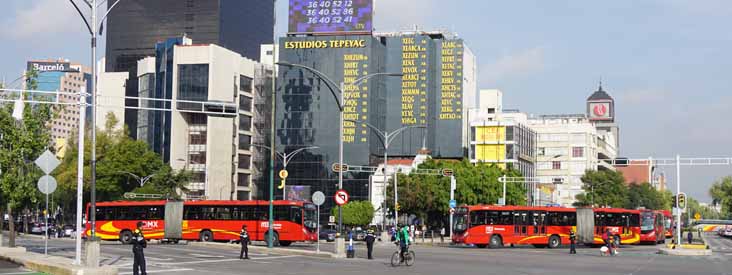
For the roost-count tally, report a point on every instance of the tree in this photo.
(603, 188)
(356, 213)
(428, 196)
(721, 193)
(644, 195)
(22, 142)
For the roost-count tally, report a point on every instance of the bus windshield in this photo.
(648, 221)
(461, 222)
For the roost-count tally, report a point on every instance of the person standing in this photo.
(370, 238)
(138, 244)
(690, 236)
(244, 240)
(442, 234)
(572, 239)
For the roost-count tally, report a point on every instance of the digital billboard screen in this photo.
(330, 16)
(298, 192)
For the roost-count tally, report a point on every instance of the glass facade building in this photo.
(135, 26)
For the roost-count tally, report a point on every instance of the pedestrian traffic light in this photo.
(681, 197)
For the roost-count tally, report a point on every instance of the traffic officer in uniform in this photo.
(244, 240)
(138, 244)
(370, 239)
(572, 240)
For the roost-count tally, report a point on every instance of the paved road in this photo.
(186, 259)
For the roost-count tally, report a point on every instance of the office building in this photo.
(437, 84)
(135, 26)
(63, 76)
(200, 114)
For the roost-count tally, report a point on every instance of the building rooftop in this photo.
(599, 95)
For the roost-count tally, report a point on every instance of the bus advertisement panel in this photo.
(206, 220)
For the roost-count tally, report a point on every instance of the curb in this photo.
(259, 249)
(50, 264)
(685, 252)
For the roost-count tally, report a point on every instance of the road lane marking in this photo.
(159, 271)
(225, 260)
(205, 255)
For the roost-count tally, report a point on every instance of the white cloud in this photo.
(43, 18)
(513, 65)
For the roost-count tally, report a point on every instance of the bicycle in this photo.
(396, 258)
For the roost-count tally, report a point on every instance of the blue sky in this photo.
(666, 62)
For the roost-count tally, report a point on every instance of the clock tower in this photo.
(601, 113)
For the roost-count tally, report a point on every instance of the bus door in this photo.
(599, 224)
(521, 223)
(625, 219)
(539, 223)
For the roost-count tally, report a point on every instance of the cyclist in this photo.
(402, 237)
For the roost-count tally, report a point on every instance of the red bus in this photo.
(496, 226)
(668, 222)
(652, 227)
(205, 220)
(624, 224)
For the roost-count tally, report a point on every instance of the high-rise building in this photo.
(135, 26)
(435, 91)
(201, 114)
(64, 77)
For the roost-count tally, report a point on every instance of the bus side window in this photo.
(477, 218)
(296, 214)
(223, 213)
(281, 213)
(492, 217)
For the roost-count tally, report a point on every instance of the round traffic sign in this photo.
(341, 197)
(318, 198)
(47, 184)
(284, 174)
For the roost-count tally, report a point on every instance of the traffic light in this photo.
(681, 197)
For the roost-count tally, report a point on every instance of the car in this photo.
(359, 235)
(328, 235)
(68, 230)
(37, 228)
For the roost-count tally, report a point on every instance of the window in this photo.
(556, 165)
(244, 161)
(544, 165)
(193, 82)
(245, 103)
(242, 195)
(243, 179)
(578, 152)
(472, 133)
(197, 157)
(562, 218)
(245, 84)
(198, 177)
(245, 123)
(477, 218)
(244, 142)
(510, 152)
(197, 138)
(509, 133)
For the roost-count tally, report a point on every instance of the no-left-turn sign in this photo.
(341, 197)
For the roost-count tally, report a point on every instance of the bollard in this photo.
(350, 253)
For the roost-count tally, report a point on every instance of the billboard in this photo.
(298, 192)
(601, 110)
(330, 16)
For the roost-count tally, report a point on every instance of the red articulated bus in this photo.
(205, 220)
(652, 227)
(668, 223)
(496, 226)
(624, 224)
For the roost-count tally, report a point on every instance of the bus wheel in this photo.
(554, 241)
(206, 236)
(481, 245)
(285, 243)
(275, 238)
(496, 241)
(125, 237)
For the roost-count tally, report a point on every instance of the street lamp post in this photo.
(93, 29)
(340, 101)
(140, 180)
(286, 158)
(386, 138)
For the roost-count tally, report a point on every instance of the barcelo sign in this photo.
(341, 197)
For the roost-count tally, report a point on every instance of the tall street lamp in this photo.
(334, 88)
(94, 29)
(386, 138)
(140, 180)
(286, 158)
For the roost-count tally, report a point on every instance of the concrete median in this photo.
(260, 249)
(50, 264)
